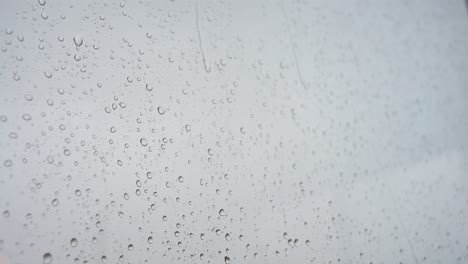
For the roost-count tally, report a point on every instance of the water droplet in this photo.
(73, 242)
(130, 247)
(221, 212)
(144, 142)
(27, 117)
(8, 163)
(150, 240)
(47, 258)
(149, 87)
(55, 202)
(149, 175)
(78, 39)
(48, 74)
(9, 31)
(6, 213)
(227, 260)
(296, 242)
(41, 2)
(180, 179)
(161, 110)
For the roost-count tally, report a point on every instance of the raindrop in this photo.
(78, 39)
(8, 163)
(47, 258)
(55, 202)
(130, 247)
(6, 213)
(41, 2)
(27, 117)
(161, 110)
(73, 242)
(150, 240)
(144, 142)
(149, 175)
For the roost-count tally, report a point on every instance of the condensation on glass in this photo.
(233, 131)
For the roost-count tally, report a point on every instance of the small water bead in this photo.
(6, 213)
(180, 179)
(104, 259)
(41, 2)
(8, 163)
(78, 193)
(3, 118)
(144, 142)
(48, 74)
(296, 242)
(27, 117)
(9, 31)
(73, 242)
(149, 87)
(113, 129)
(227, 260)
(149, 175)
(150, 240)
(126, 196)
(130, 247)
(227, 236)
(78, 39)
(55, 202)
(47, 258)
(161, 110)
(222, 213)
